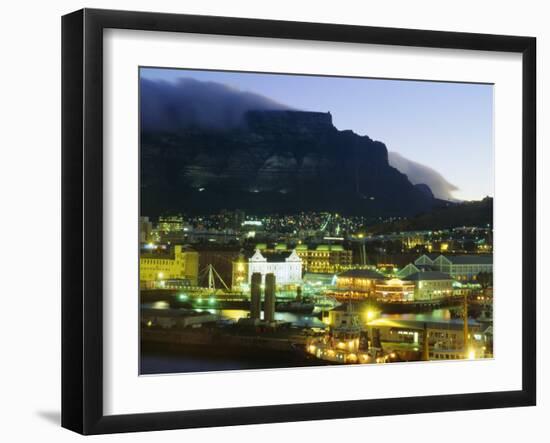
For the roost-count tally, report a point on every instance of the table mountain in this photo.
(275, 161)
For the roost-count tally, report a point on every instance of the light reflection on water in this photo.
(234, 314)
(157, 305)
(312, 321)
(296, 319)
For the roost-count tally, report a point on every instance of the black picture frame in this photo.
(82, 215)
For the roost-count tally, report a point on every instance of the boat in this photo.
(340, 346)
(345, 343)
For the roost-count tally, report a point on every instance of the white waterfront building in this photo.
(287, 270)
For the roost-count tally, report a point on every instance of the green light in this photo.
(211, 300)
(199, 300)
(182, 297)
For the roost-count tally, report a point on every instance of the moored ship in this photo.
(346, 342)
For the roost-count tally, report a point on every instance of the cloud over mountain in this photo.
(176, 106)
(167, 106)
(419, 173)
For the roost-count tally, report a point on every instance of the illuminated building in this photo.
(388, 269)
(239, 273)
(170, 223)
(320, 259)
(410, 269)
(255, 224)
(460, 267)
(426, 259)
(358, 282)
(484, 248)
(445, 338)
(394, 290)
(431, 285)
(179, 264)
(286, 268)
(325, 258)
(250, 227)
(464, 267)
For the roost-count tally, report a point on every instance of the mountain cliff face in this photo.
(274, 162)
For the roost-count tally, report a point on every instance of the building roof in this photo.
(431, 255)
(472, 259)
(428, 275)
(362, 273)
(274, 257)
(157, 256)
(409, 269)
(329, 248)
(164, 254)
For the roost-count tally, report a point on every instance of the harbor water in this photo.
(160, 358)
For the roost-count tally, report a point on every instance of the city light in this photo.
(371, 314)
(262, 262)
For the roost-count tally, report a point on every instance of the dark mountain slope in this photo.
(274, 162)
(450, 215)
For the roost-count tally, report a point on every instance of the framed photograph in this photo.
(269, 221)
